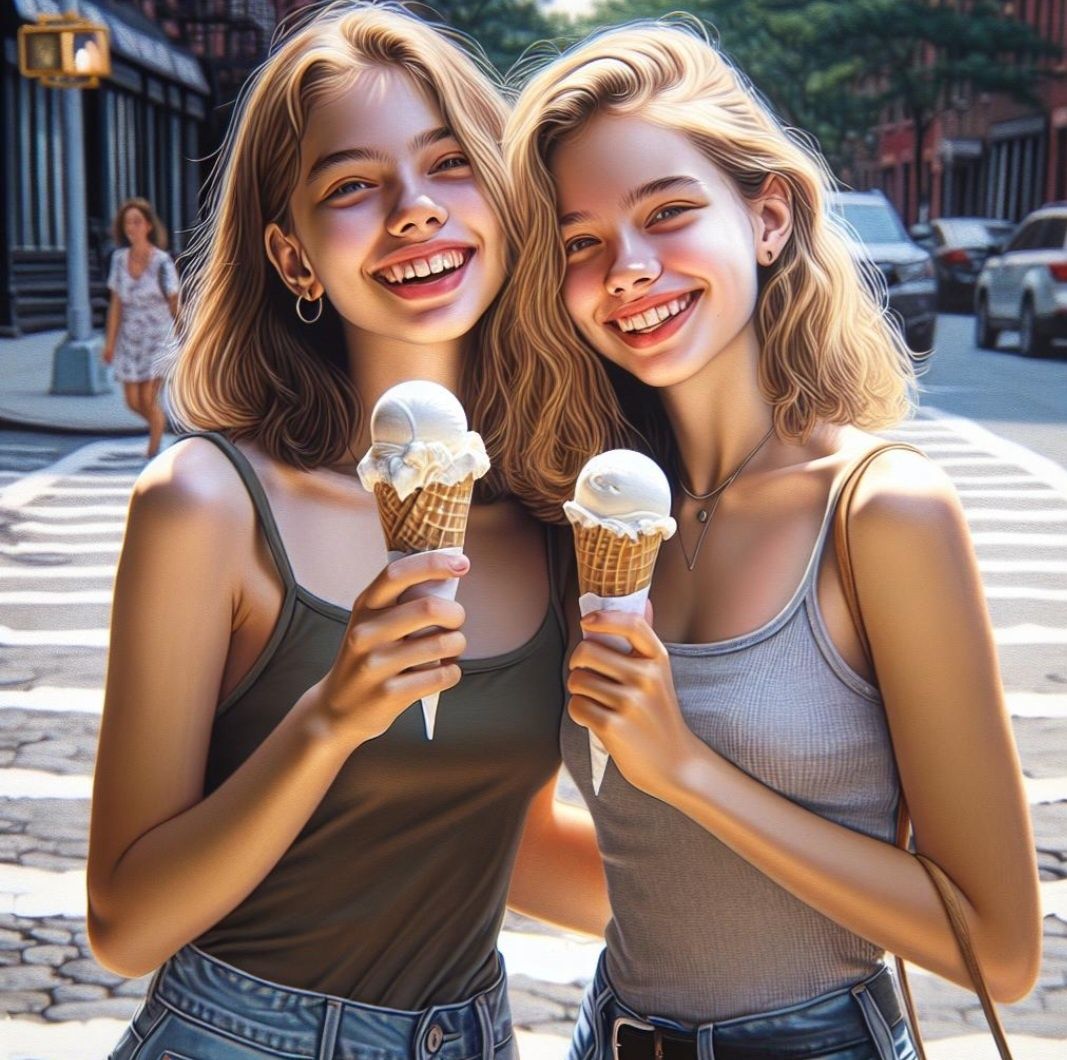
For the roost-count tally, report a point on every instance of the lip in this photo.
(670, 327)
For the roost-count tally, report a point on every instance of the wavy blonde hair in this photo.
(244, 363)
(827, 350)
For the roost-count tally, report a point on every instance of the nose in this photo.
(415, 213)
(635, 266)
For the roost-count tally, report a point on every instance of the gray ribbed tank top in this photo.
(698, 934)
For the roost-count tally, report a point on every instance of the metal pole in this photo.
(79, 316)
(76, 366)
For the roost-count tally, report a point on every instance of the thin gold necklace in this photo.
(703, 515)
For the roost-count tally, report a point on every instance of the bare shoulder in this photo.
(192, 484)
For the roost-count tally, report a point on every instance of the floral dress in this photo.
(146, 327)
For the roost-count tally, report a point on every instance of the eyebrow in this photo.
(370, 154)
(635, 195)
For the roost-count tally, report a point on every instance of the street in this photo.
(995, 421)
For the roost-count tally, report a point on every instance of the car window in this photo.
(975, 233)
(874, 222)
(1026, 237)
(1053, 234)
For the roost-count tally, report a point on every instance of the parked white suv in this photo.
(1025, 287)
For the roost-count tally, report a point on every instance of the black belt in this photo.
(634, 1041)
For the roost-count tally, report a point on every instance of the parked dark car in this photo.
(960, 246)
(907, 268)
(1025, 287)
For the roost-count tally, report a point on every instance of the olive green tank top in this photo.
(394, 892)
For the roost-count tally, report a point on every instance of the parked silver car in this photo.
(907, 268)
(1025, 287)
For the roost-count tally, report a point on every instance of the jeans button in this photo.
(434, 1038)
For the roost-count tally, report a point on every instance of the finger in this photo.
(587, 713)
(375, 628)
(402, 574)
(414, 684)
(418, 651)
(605, 660)
(609, 694)
(633, 628)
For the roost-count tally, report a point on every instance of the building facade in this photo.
(986, 155)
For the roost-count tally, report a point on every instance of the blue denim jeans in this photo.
(199, 1008)
(861, 1022)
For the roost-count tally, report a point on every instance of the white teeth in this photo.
(418, 268)
(655, 316)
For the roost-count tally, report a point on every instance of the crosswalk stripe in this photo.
(82, 491)
(36, 548)
(1011, 515)
(1022, 566)
(1030, 633)
(1042, 494)
(53, 698)
(95, 511)
(103, 570)
(47, 638)
(1027, 540)
(1037, 704)
(39, 598)
(37, 784)
(1020, 592)
(63, 530)
(25, 489)
(998, 480)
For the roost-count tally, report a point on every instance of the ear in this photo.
(288, 258)
(773, 220)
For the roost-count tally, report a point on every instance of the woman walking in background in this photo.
(144, 301)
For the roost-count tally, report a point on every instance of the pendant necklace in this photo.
(703, 514)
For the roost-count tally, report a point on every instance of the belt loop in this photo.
(331, 1024)
(705, 1042)
(881, 1036)
(481, 1006)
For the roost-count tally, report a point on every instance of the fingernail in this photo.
(459, 564)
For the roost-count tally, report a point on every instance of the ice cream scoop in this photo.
(421, 467)
(621, 514)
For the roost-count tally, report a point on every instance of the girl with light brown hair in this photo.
(270, 826)
(144, 301)
(679, 266)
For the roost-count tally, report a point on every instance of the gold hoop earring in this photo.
(299, 312)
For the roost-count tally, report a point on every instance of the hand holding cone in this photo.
(421, 467)
(621, 516)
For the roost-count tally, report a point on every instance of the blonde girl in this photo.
(271, 828)
(679, 268)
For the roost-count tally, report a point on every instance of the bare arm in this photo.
(111, 329)
(165, 863)
(559, 875)
(925, 613)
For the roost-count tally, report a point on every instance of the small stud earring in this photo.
(770, 256)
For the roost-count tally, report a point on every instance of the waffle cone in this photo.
(612, 564)
(432, 517)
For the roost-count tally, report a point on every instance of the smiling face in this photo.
(660, 248)
(389, 216)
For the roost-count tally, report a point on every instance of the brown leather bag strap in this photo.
(946, 891)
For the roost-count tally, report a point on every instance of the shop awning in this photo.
(144, 45)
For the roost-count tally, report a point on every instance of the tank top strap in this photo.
(850, 467)
(260, 502)
(557, 574)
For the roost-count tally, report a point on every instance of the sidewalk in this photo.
(25, 376)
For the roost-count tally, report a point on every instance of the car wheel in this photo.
(1031, 342)
(985, 335)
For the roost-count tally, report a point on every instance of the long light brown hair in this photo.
(245, 364)
(827, 350)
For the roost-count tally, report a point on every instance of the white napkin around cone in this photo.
(634, 604)
(443, 589)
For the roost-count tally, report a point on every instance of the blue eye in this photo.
(665, 213)
(452, 162)
(348, 188)
(573, 246)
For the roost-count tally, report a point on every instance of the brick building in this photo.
(986, 155)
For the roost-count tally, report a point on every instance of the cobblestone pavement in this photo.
(60, 529)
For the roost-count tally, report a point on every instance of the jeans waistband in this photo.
(308, 1024)
(867, 1008)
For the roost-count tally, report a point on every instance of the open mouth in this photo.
(419, 271)
(660, 317)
